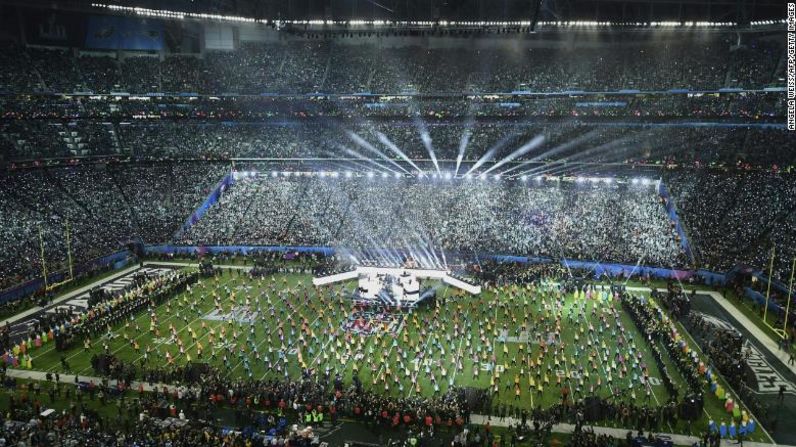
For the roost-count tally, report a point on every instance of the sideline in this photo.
(70, 295)
(771, 346)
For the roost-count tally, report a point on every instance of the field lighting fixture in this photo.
(274, 174)
(361, 26)
(370, 174)
(384, 175)
(397, 175)
(335, 174)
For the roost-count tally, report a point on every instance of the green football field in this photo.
(501, 341)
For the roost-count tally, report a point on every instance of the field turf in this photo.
(276, 326)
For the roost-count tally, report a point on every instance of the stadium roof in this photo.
(617, 11)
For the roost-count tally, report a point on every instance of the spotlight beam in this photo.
(556, 150)
(606, 147)
(427, 143)
(426, 139)
(464, 141)
(362, 142)
(386, 141)
(522, 150)
(490, 153)
(366, 159)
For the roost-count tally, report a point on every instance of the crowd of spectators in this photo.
(582, 221)
(108, 205)
(332, 66)
(100, 207)
(28, 141)
(735, 217)
(99, 415)
(104, 207)
(749, 106)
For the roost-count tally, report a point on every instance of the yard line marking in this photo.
(54, 367)
(126, 344)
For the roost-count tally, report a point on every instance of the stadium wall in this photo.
(760, 300)
(610, 269)
(230, 249)
(598, 268)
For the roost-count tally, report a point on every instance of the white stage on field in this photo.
(402, 284)
(403, 290)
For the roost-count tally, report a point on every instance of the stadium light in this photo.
(634, 181)
(274, 174)
(370, 174)
(384, 175)
(361, 24)
(335, 174)
(579, 179)
(645, 181)
(448, 176)
(468, 176)
(524, 178)
(348, 174)
(497, 177)
(538, 178)
(608, 180)
(397, 175)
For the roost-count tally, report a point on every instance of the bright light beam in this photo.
(430, 148)
(522, 150)
(558, 149)
(603, 148)
(426, 139)
(490, 153)
(362, 142)
(364, 158)
(463, 142)
(386, 141)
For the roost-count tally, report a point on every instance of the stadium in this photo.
(397, 223)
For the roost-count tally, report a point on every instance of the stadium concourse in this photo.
(398, 230)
